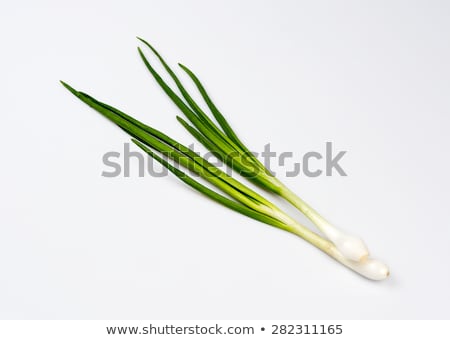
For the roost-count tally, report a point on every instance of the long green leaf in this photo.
(221, 119)
(185, 94)
(199, 124)
(189, 159)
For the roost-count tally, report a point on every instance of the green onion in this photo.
(224, 143)
(235, 195)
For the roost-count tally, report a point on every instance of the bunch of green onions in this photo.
(223, 142)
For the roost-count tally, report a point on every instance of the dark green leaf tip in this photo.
(70, 88)
(67, 86)
(148, 45)
(186, 69)
(135, 141)
(140, 39)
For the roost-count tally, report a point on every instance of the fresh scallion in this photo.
(240, 197)
(225, 144)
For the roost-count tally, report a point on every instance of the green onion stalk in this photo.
(224, 144)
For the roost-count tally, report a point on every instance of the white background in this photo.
(373, 77)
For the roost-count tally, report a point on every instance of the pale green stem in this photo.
(351, 247)
(322, 224)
